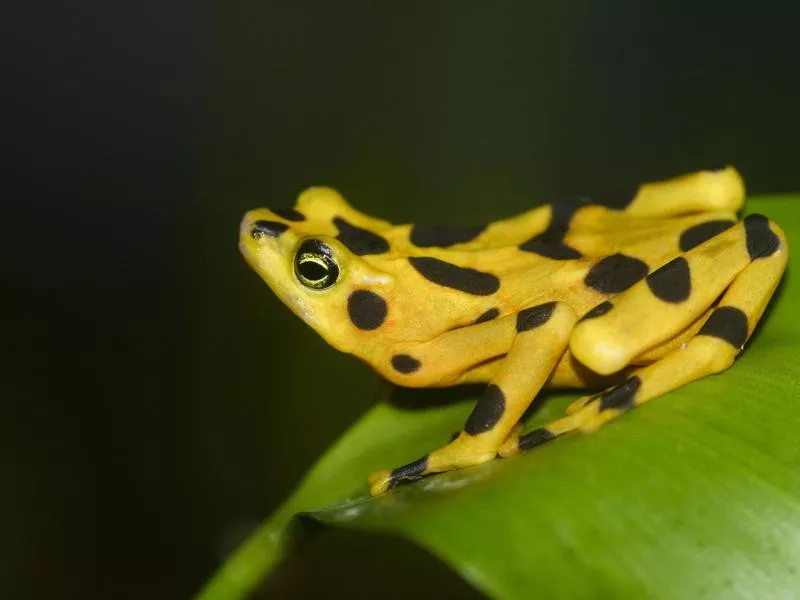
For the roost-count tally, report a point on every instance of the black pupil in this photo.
(312, 270)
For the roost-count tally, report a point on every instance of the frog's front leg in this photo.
(542, 334)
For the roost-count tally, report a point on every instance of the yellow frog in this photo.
(634, 294)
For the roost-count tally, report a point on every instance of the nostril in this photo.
(262, 229)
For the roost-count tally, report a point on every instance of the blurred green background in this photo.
(159, 400)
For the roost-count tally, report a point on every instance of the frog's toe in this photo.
(384, 480)
(379, 481)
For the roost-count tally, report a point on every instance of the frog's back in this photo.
(579, 251)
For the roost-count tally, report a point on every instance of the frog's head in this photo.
(314, 257)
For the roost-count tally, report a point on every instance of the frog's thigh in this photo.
(541, 339)
(704, 191)
(669, 299)
(710, 351)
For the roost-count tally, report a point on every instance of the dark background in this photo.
(157, 400)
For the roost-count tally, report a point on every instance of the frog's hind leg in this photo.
(542, 333)
(704, 191)
(712, 350)
(667, 301)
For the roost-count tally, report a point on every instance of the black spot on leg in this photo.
(598, 311)
(535, 438)
(622, 396)
(463, 279)
(367, 310)
(289, 214)
(489, 315)
(672, 282)
(488, 412)
(443, 236)
(702, 232)
(616, 200)
(403, 363)
(550, 243)
(408, 473)
(360, 241)
(262, 229)
(727, 323)
(535, 316)
(615, 273)
(761, 240)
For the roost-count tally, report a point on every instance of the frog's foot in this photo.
(464, 451)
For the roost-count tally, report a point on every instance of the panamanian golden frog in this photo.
(631, 294)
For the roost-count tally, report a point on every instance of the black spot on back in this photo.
(535, 316)
(550, 243)
(367, 310)
(615, 273)
(616, 200)
(761, 240)
(489, 315)
(621, 397)
(535, 437)
(403, 363)
(463, 279)
(289, 214)
(550, 246)
(561, 214)
(727, 323)
(488, 412)
(409, 472)
(262, 229)
(360, 241)
(672, 282)
(442, 236)
(697, 234)
(598, 311)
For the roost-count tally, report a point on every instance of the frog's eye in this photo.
(315, 266)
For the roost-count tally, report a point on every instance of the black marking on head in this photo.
(550, 243)
(761, 240)
(443, 236)
(360, 241)
(488, 412)
(615, 273)
(408, 473)
(463, 279)
(621, 397)
(598, 311)
(535, 438)
(403, 363)
(702, 232)
(489, 315)
(671, 282)
(367, 310)
(534, 316)
(727, 323)
(616, 200)
(289, 214)
(262, 229)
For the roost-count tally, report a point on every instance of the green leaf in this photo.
(696, 494)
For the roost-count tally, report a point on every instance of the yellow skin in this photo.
(405, 299)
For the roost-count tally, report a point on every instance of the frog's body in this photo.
(437, 306)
